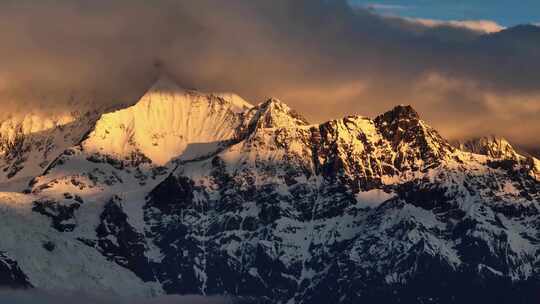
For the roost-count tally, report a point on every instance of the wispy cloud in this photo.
(386, 7)
(381, 8)
(484, 26)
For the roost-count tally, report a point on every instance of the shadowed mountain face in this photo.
(193, 193)
(535, 152)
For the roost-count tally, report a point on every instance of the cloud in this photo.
(469, 101)
(324, 58)
(386, 7)
(483, 26)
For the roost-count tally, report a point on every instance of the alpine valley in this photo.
(193, 193)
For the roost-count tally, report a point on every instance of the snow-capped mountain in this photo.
(492, 146)
(28, 143)
(499, 148)
(193, 193)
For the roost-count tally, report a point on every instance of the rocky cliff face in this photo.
(192, 193)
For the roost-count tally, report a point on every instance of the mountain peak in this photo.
(400, 112)
(400, 121)
(492, 146)
(274, 113)
(165, 84)
(274, 102)
(169, 122)
(166, 88)
(411, 137)
(239, 104)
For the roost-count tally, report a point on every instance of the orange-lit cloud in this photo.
(483, 26)
(324, 58)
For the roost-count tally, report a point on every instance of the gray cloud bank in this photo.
(323, 57)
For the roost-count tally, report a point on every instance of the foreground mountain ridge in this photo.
(193, 193)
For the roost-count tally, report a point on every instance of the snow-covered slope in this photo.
(55, 261)
(193, 193)
(492, 146)
(356, 208)
(29, 143)
(168, 123)
(499, 148)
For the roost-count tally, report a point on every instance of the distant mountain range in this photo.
(192, 193)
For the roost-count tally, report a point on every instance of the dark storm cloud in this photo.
(322, 57)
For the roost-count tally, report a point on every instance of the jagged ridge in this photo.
(354, 209)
